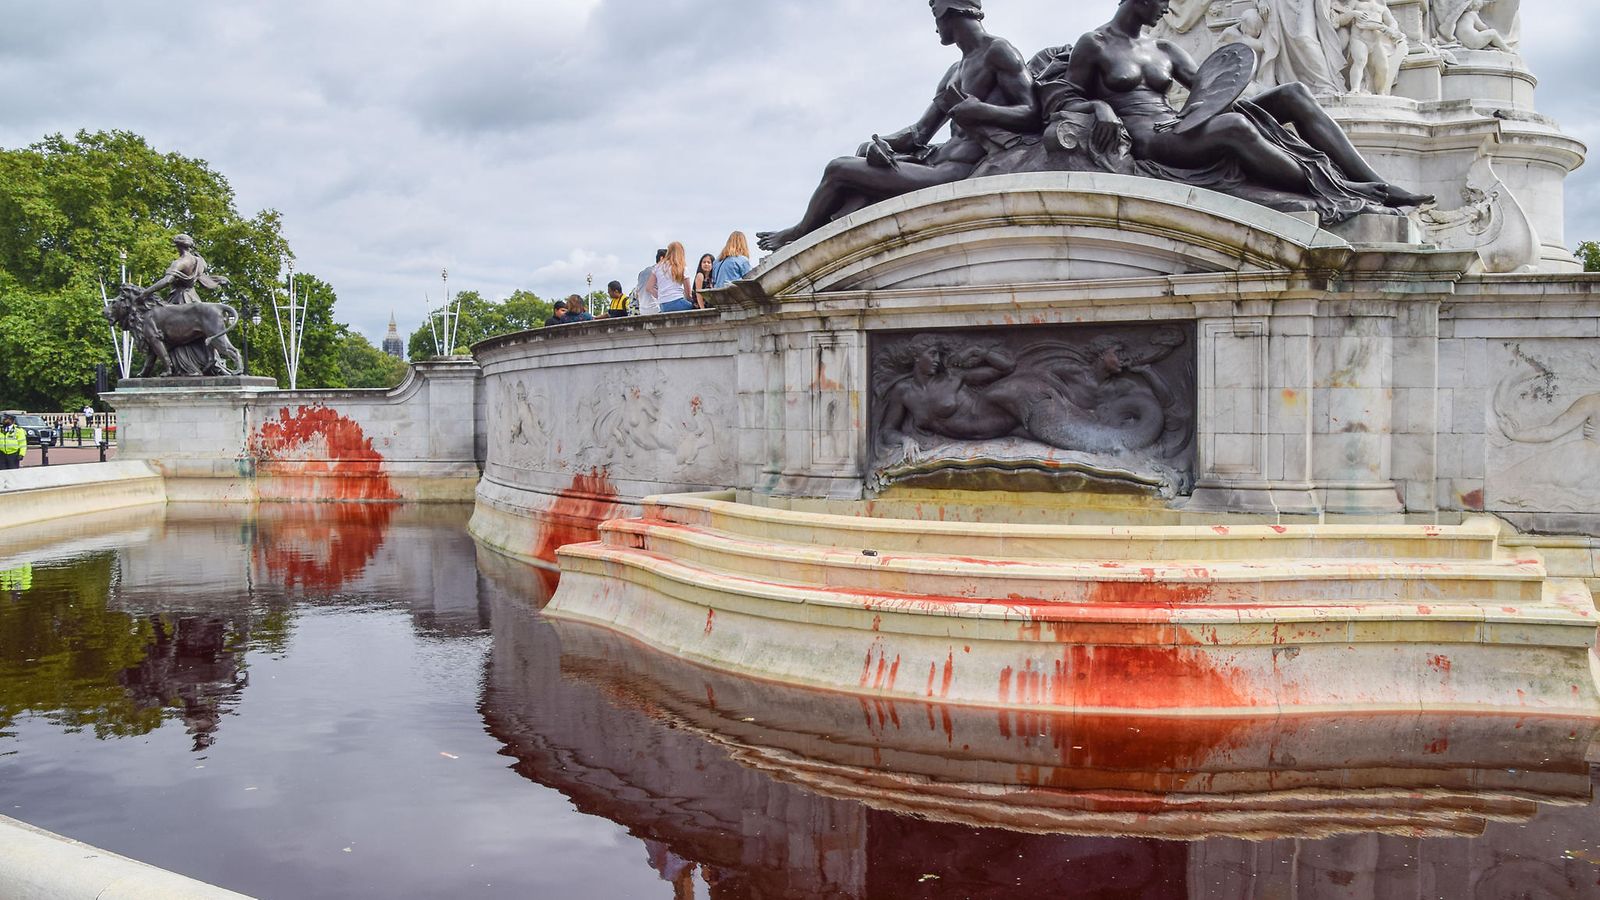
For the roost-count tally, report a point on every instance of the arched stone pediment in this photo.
(1038, 228)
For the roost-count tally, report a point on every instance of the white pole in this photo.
(116, 341)
(432, 329)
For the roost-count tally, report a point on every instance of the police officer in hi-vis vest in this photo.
(13, 443)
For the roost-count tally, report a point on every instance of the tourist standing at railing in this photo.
(734, 263)
(668, 284)
(618, 308)
(13, 443)
(702, 280)
(647, 303)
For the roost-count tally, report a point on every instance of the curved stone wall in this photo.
(1328, 376)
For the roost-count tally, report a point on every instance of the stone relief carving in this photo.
(1251, 30)
(655, 424)
(1375, 45)
(1110, 403)
(1547, 412)
(657, 428)
(523, 429)
(1490, 221)
(1465, 23)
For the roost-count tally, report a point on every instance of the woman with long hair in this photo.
(668, 283)
(702, 280)
(734, 261)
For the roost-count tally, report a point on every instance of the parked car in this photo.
(39, 431)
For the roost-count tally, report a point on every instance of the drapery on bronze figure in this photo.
(1102, 106)
(187, 336)
(988, 99)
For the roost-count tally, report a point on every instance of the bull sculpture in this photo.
(187, 339)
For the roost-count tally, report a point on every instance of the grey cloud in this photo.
(500, 138)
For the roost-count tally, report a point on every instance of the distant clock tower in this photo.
(392, 344)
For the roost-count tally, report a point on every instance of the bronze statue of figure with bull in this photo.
(188, 336)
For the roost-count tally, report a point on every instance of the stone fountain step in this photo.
(1184, 659)
(1476, 538)
(1336, 580)
(1189, 621)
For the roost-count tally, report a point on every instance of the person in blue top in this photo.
(734, 261)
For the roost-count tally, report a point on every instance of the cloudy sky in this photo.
(530, 143)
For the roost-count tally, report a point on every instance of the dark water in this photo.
(325, 702)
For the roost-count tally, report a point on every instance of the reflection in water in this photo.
(784, 792)
(303, 680)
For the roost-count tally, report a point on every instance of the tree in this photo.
(67, 207)
(483, 319)
(362, 365)
(1589, 255)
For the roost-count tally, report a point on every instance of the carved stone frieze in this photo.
(1544, 446)
(1107, 404)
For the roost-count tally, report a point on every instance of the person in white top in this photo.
(667, 285)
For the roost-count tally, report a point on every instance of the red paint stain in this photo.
(894, 672)
(576, 514)
(711, 697)
(323, 546)
(1437, 747)
(949, 674)
(933, 668)
(1148, 593)
(1005, 688)
(1439, 664)
(695, 405)
(711, 618)
(1281, 529)
(1220, 529)
(1473, 500)
(1128, 677)
(314, 453)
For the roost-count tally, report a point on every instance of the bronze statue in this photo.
(1122, 76)
(186, 272)
(988, 100)
(187, 336)
(1102, 106)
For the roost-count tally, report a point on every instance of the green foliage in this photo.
(62, 648)
(483, 319)
(362, 365)
(49, 344)
(1589, 255)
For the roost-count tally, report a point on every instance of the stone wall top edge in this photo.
(607, 327)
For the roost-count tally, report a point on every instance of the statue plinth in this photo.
(209, 383)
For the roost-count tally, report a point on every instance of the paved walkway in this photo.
(69, 455)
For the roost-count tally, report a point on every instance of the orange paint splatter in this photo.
(576, 515)
(316, 454)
